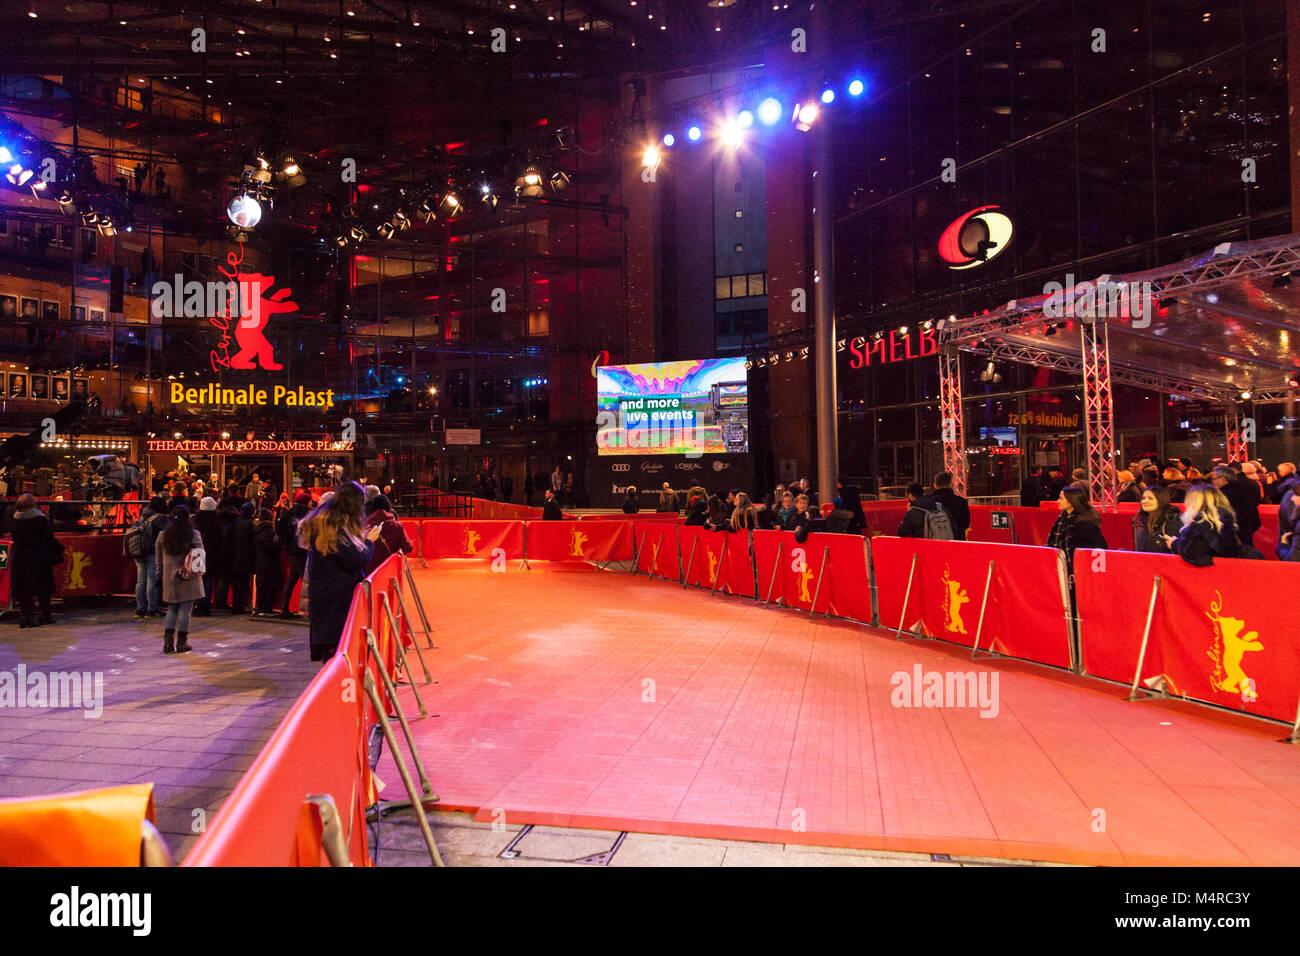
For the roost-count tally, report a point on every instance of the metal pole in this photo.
(415, 595)
(775, 567)
(403, 666)
(824, 286)
(397, 629)
(406, 614)
(979, 628)
(654, 559)
(391, 689)
(821, 574)
(1146, 634)
(637, 550)
(717, 575)
(375, 702)
(690, 561)
(907, 594)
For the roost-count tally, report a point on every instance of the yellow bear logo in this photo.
(576, 540)
(954, 598)
(713, 567)
(1230, 646)
(76, 580)
(805, 579)
(472, 538)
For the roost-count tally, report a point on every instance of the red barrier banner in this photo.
(981, 525)
(883, 517)
(795, 580)
(92, 564)
(412, 528)
(1025, 614)
(579, 541)
(452, 538)
(657, 543)
(721, 556)
(1212, 636)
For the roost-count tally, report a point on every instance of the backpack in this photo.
(937, 525)
(138, 541)
(838, 522)
(194, 565)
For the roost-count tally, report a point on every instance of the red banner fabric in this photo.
(1025, 615)
(883, 517)
(717, 555)
(1211, 634)
(579, 540)
(92, 564)
(657, 542)
(451, 538)
(795, 579)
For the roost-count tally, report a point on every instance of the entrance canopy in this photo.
(1223, 326)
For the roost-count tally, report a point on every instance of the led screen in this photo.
(673, 408)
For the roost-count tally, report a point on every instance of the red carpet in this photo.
(603, 700)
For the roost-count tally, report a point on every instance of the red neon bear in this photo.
(256, 309)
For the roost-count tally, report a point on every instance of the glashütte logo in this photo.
(652, 467)
(975, 238)
(74, 909)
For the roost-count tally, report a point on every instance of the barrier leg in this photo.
(393, 623)
(401, 601)
(524, 565)
(403, 666)
(717, 575)
(1146, 636)
(979, 628)
(1295, 728)
(391, 689)
(907, 594)
(415, 596)
(416, 803)
(332, 839)
(654, 559)
(690, 561)
(776, 567)
(1015, 535)
(820, 577)
(636, 552)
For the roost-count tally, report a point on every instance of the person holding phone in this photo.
(338, 550)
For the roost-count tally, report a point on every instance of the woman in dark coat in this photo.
(698, 515)
(210, 529)
(1157, 519)
(173, 546)
(851, 501)
(240, 557)
(1208, 528)
(631, 501)
(1079, 525)
(337, 554)
(266, 562)
(32, 558)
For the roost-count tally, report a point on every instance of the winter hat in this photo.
(158, 503)
(208, 504)
(302, 498)
(246, 509)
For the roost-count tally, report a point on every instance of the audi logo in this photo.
(624, 467)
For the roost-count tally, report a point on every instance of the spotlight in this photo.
(769, 111)
(5, 155)
(65, 202)
(828, 96)
(744, 119)
(669, 139)
(732, 135)
(401, 220)
(18, 174)
(789, 356)
(859, 342)
(244, 211)
(805, 116)
(774, 358)
(358, 234)
(1283, 281)
(450, 206)
(385, 230)
(529, 184)
(560, 180)
(425, 209)
(341, 241)
(761, 361)
(1246, 395)
(106, 227)
(842, 344)
(856, 87)
(748, 365)
(489, 197)
(650, 158)
(1293, 381)
(694, 134)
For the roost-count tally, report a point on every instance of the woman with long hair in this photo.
(1157, 519)
(1209, 528)
(172, 547)
(744, 517)
(1078, 526)
(667, 500)
(338, 550)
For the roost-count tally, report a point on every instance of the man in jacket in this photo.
(286, 533)
(1243, 496)
(241, 555)
(1287, 479)
(913, 524)
(32, 557)
(958, 508)
(266, 562)
(254, 489)
(153, 518)
(392, 536)
(551, 510)
(209, 527)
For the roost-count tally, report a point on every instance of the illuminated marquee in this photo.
(213, 394)
(251, 447)
(887, 348)
(975, 238)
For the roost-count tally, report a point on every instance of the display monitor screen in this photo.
(999, 436)
(673, 408)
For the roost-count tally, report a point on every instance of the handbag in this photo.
(194, 565)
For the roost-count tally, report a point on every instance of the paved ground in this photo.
(463, 841)
(189, 723)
